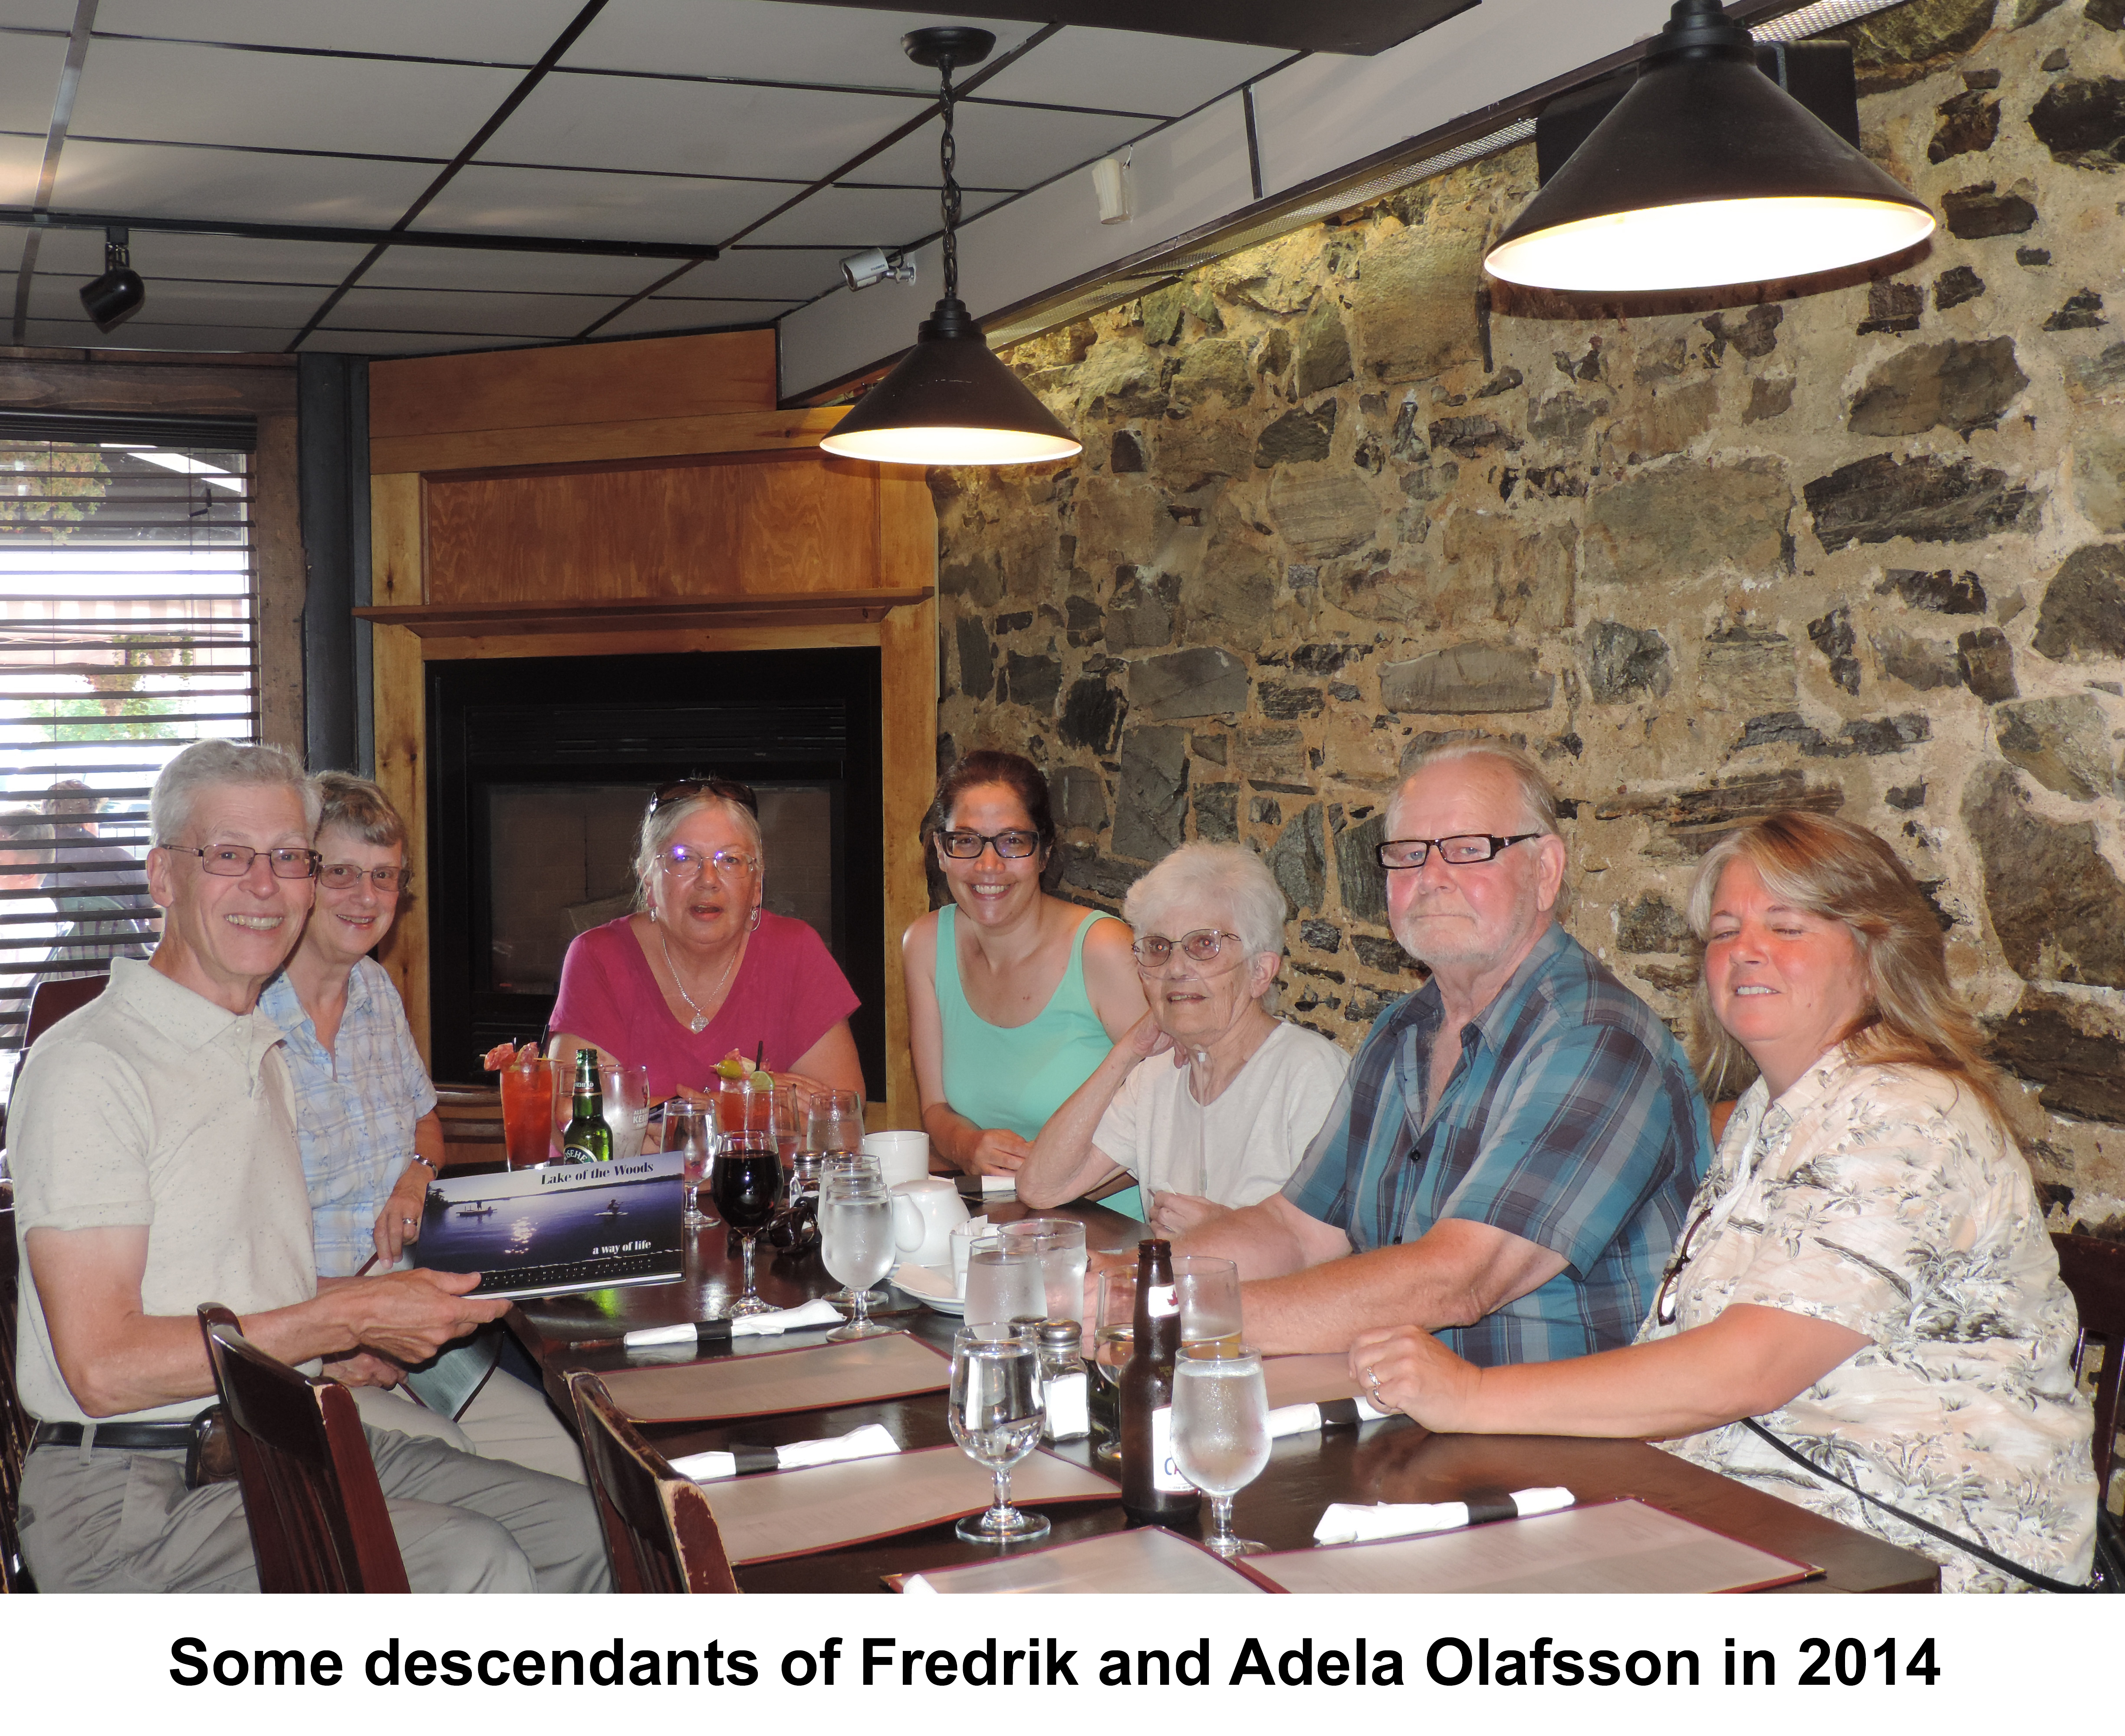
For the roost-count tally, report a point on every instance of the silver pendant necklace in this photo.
(700, 1022)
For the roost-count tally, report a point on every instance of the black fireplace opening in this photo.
(540, 769)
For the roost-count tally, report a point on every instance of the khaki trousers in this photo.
(507, 1419)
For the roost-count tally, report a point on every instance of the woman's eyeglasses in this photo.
(687, 788)
(1665, 1302)
(688, 862)
(966, 846)
(1203, 945)
(339, 876)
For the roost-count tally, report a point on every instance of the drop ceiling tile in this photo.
(229, 257)
(1004, 146)
(647, 318)
(21, 161)
(49, 15)
(465, 268)
(459, 310)
(184, 93)
(485, 200)
(30, 67)
(518, 31)
(1129, 69)
(850, 218)
(328, 342)
(140, 334)
(798, 273)
(176, 301)
(752, 38)
(182, 180)
(590, 121)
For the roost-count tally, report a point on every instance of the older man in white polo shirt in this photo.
(152, 1145)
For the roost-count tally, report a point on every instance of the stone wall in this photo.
(1862, 551)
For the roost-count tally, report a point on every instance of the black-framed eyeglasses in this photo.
(966, 846)
(339, 876)
(233, 861)
(1203, 945)
(685, 789)
(684, 860)
(1665, 1301)
(1463, 850)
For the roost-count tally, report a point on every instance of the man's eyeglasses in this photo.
(1665, 1301)
(1463, 850)
(1203, 945)
(339, 876)
(966, 846)
(687, 788)
(233, 861)
(687, 862)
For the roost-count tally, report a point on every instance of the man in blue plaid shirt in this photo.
(1515, 1149)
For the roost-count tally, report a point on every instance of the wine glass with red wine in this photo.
(744, 1181)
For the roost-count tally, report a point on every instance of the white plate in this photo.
(944, 1304)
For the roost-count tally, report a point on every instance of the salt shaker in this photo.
(1062, 1383)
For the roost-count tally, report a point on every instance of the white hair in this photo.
(661, 823)
(205, 765)
(1539, 798)
(1224, 877)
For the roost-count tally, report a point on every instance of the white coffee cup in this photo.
(901, 1157)
(925, 1213)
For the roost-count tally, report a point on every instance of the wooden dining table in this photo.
(1393, 1460)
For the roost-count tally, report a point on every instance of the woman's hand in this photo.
(995, 1151)
(1404, 1368)
(1176, 1214)
(1144, 1039)
(400, 1221)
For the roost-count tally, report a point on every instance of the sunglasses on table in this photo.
(685, 789)
(233, 861)
(966, 846)
(1463, 850)
(1203, 945)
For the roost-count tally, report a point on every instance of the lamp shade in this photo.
(949, 400)
(1705, 173)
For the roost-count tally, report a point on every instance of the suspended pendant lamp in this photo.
(949, 400)
(1705, 173)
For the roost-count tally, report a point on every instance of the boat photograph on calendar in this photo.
(564, 1227)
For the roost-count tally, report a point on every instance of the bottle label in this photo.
(1163, 1304)
(579, 1154)
(1067, 1416)
(1165, 1474)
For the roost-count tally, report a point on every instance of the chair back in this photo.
(2095, 1272)
(659, 1533)
(15, 1423)
(316, 1513)
(51, 1001)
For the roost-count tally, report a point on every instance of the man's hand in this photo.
(1403, 1368)
(408, 1316)
(361, 1369)
(1173, 1215)
(996, 1152)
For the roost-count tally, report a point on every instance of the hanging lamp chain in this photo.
(948, 155)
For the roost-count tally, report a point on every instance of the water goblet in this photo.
(845, 1164)
(994, 1416)
(856, 1242)
(690, 1129)
(1220, 1433)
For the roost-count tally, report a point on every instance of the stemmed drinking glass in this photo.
(995, 1415)
(1004, 1284)
(746, 1181)
(1220, 1433)
(855, 1240)
(690, 1129)
(845, 1164)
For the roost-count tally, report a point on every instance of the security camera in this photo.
(874, 264)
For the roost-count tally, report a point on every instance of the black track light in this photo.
(116, 296)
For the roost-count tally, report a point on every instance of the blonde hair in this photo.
(1842, 872)
(356, 804)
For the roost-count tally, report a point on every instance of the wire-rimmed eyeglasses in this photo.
(684, 860)
(1665, 1299)
(684, 790)
(339, 876)
(1203, 945)
(966, 846)
(1464, 849)
(233, 861)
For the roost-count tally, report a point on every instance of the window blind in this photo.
(127, 630)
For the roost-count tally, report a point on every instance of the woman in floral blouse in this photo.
(1866, 1272)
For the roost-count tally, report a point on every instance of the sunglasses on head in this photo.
(729, 789)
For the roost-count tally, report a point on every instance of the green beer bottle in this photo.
(588, 1140)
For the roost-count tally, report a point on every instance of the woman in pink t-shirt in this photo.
(701, 969)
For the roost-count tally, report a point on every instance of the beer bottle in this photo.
(588, 1140)
(1153, 1490)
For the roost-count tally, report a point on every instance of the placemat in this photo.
(1150, 1559)
(814, 1378)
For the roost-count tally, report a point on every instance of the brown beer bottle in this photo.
(1153, 1490)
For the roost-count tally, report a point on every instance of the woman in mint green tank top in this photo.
(1013, 996)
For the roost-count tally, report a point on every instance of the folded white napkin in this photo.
(998, 1183)
(870, 1441)
(924, 1280)
(816, 1312)
(916, 1583)
(1298, 1419)
(1344, 1523)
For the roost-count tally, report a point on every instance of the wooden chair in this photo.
(49, 1002)
(15, 1423)
(316, 1513)
(2095, 1272)
(659, 1533)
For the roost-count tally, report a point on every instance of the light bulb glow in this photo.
(1709, 242)
(948, 446)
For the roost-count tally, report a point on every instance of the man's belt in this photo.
(124, 1437)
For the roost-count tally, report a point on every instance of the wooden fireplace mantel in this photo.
(648, 614)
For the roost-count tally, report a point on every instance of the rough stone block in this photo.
(1202, 682)
(1969, 121)
(1092, 715)
(1193, 449)
(2100, 375)
(1907, 43)
(1285, 702)
(1031, 681)
(2074, 1048)
(1987, 663)
(1682, 517)
(2081, 122)
(1956, 286)
(1080, 797)
(2063, 743)
(1746, 669)
(1152, 796)
(1463, 680)
(2083, 617)
(1323, 937)
(1949, 385)
(1832, 635)
(1943, 591)
(1981, 212)
(1298, 861)
(1139, 617)
(1217, 812)
(1360, 880)
(976, 658)
(1413, 307)
(2057, 906)
(1217, 365)
(1892, 306)
(1927, 499)
(1324, 350)
(1623, 661)
(1298, 437)
(1769, 396)
(1120, 521)
(1663, 423)
(1097, 879)
(1923, 664)
(1323, 511)
(2099, 477)
(1651, 925)
(1274, 754)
